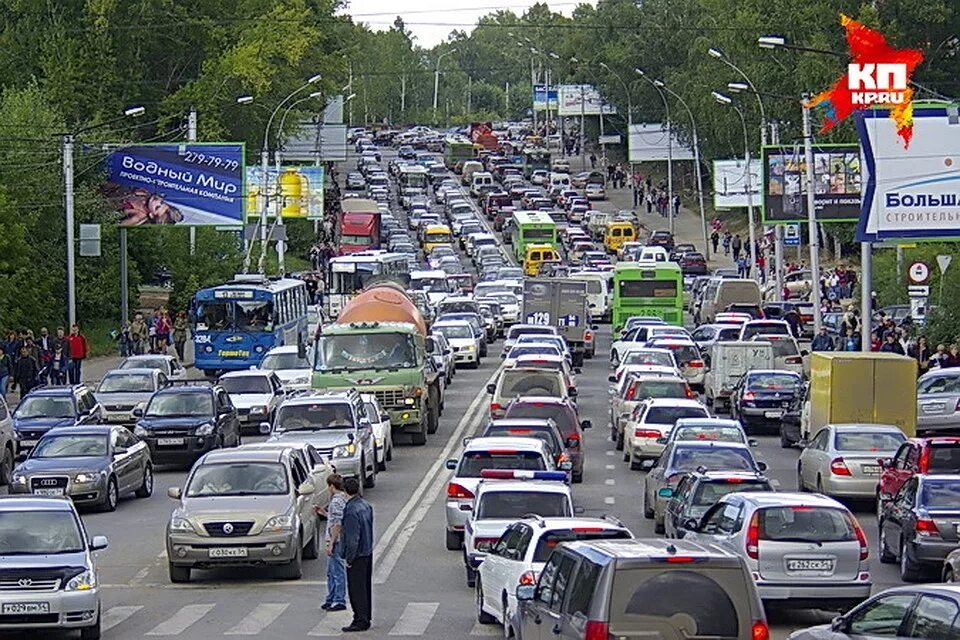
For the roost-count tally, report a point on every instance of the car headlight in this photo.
(140, 432)
(279, 523)
(84, 478)
(82, 582)
(181, 525)
(379, 442)
(18, 479)
(409, 401)
(345, 451)
(470, 347)
(259, 410)
(205, 429)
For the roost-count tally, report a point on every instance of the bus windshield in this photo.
(538, 234)
(245, 315)
(357, 351)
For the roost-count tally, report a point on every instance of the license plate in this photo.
(48, 492)
(809, 565)
(871, 469)
(169, 442)
(773, 414)
(28, 443)
(228, 552)
(933, 408)
(28, 608)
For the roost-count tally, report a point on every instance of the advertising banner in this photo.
(730, 182)
(540, 97)
(836, 183)
(911, 192)
(582, 99)
(187, 184)
(297, 192)
(649, 143)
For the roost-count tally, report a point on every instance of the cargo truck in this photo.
(378, 345)
(358, 226)
(563, 304)
(859, 387)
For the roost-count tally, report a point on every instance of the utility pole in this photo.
(191, 137)
(350, 90)
(583, 120)
(814, 237)
(506, 91)
(403, 98)
(69, 212)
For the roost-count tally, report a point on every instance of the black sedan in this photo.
(762, 397)
(919, 526)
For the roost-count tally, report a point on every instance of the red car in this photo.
(564, 414)
(915, 456)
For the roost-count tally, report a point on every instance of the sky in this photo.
(431, 21)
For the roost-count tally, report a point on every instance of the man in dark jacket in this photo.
(25, 372)
(356, 536)
(822, 342)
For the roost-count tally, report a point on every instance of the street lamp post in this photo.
(666, 108)
(696, 159)
(626, 92)
(436, 81)
(727, 101)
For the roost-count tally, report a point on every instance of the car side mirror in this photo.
(430, 347)
(753, 443)
(466, 507)
(452, 465)
(762, 466)
(98, 543)
(885, 463)
(691, 524)
(586, 424)
(491, 388)
(662, 440)
(224, 410)
(174, 492)
(572, 392)
(351, 437)
(594, 327)
(612, 378)
(804, 352)
(265, 428)
(447, 352)
(138, 412)
(526, 592)
(649, 464)
(384, 417)
(119, 451)
(306, 489)
(665, 492)
(838, 625)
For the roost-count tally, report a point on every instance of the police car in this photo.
(502, 497)
(518, 557)
(479, 454)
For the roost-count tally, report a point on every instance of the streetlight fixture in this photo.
(727, 101)
(737, 87)
(771, 42)
(244, 99)
(134, 112)
(666, 107)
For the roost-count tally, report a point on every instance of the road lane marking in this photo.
(415, 619)
(332, 623)
(486, 631)
(395, 539)
(181, 620)
(609, 500)
(258, 619)
(116, 615)
(611, 467)
(609, 482)
(611, 452)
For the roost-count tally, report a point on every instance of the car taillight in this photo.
(646, 433)
(495, 407)
(749, 396)
(631, 392)
(696, 364)
(839, 468)
(528, 578)
(687, 391)
(459, 492)
(596, 630)
(753, 537)
(793, 360)
(925, 459)
(861, 537)
(759, 631)
(587, 336)
(927, 528)
(484, 544)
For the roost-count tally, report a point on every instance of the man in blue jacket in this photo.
(356, 537)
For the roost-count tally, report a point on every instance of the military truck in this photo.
(561, 303)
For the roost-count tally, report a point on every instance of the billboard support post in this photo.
(125, 279)
(866, 293)
(812, 230)
(69, 213)
(192, 137)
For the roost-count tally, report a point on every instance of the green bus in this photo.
(647, 289)
(535, 158)
(532, 227)
(457, 150)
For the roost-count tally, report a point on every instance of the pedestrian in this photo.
(822, 341)
(357, 552)
(163, 331)
(676, 205)
(45, 351)
(920, 352)
(78, 353)
(727, 240)
(6, 370)
(736, 245)
(336, 572)
(61, 358)
(25, 372)
(636, 196)
(742, 267)
(851, 341)
(180, 334)
(649, 202)
(138, 333)
(715, 239)
(593, 160)
(792, 318)
(762, 267)
(892, 345)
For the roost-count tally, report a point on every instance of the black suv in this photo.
(48, 407)
(700, 490)
(184, 421)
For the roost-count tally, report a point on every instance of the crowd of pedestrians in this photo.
(28, 360)
(154, 334)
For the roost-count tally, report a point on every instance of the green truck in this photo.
(378, 345)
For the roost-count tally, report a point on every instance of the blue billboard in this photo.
(188, 184)
(540, 97)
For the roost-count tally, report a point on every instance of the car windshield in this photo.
(171, 405)
(246, 315)
(709, 433)
(280, 361)
(709, 493)
(781, 348)
(71, 446)
(35, 533)
(145, 363)
(713, 458)
(246, 384)
(940, 494)
(939, 384)
(670, 415)
(473, 462)
(357, 351)
(658, 388)
(521, 349)
(867, 441)
(548, 541)
(516, 332)
(656, 358)
(456, 306)
(523, 382)
(126, 383)
(820, 524)
(314, 416)
(547, 436)
(238, 479)
(45, 407)
(772, 381)
(454, 331)
(430, 284)
(683, 353)
(516, 504)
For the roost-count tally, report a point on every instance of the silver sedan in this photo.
(842, 459)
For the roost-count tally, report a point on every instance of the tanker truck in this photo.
(377, 345)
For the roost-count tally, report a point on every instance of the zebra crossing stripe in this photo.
(115, 615)
(486, 631)
(415, 619)
(181, 620)
(258, 619)
(331, 624)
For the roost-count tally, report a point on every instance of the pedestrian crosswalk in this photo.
(202, 620)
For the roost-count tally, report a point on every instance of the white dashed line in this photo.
(609, 482)
(609, 500)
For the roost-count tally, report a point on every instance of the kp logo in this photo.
(879, 75)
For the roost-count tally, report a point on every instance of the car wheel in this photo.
(577, 477)
(948, 575)
(93, 631)
(6, 465)
(381, 460)
(146, 489)
(909, 570)
(886, 557)
(454, 540)
(312, 550)
(293, 570)
(433, 417)
(647, 511)
(389, 454)
(369, 479)
(800, 486)
(482, 616)
(620, 441)
(178, 574)
(820, 484)
(785, 442)
(658, 527)
(112, 496)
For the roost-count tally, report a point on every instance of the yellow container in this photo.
(291, 193)
(616, 234)
(878, 388)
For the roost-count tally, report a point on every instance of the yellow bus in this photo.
(435, 235)
(616, 234)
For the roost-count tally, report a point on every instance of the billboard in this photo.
(582, 99)
(297, 192)
(910, 192)
(312, 142)
(730, 183)
(836, 183)
(540, 97)
(649, 143)
(187, 184)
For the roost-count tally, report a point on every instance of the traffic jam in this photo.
(653, 448)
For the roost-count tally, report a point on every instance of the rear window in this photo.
(516, 504)
(474, 462)
(669, 415)
(548, 437)
(944, 457)
(702, 601)
(686, 458)
(562, 415)
(709, 433)
(683, 353)
(784, 348)
(868, 441)
(709, 493)
(550, 540)
(658, 389)
(523, 383)
(800, 524)
(529, 331)
(772, 381)
(939, 384)
(940, 494)
(649, 357)
(765, 328)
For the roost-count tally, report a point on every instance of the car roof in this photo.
(545, 423)
(711, 444)
(241, 454)
(143, 371)
(490, 485)
(708, 422)
(247, 373)
(87, 430)
(190, 387)
(673, 402)
(719, 474)
(539, 523)
(504, 442)
(754, 372)
(317, 397)
(53, 391)
(786, 499)
(859, 426)
(35, 503)
(147, 356)
(530, 358)
(647, 549)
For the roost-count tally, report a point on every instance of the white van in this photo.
(561, 180)
(479, 182)
(598, 294)
(729, 361)
(470, 167)
(653, 254)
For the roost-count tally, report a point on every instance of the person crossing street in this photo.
(357, 552)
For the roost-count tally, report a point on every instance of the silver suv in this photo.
(669, 589)
(804, 550)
